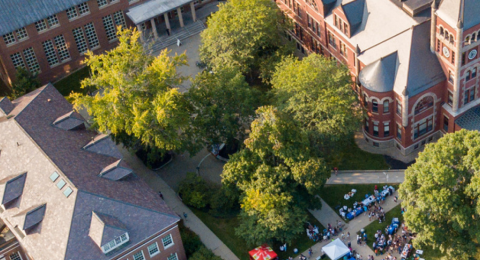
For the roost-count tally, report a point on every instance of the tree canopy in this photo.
(317, 93)
(223, 107)
(441, 196)
(241, 32)
(277, 178)
(137, 94)
(25, 82)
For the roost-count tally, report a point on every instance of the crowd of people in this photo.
(316, 235)
(369, 206)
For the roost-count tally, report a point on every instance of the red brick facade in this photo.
(431, 109)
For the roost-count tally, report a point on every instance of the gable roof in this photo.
(116, 171)
(13, 188)
(354, 13)
(69, 121)
(102, 144)
(380, 75)
(20, 13)
(34, 216)
(5, 106)
(451, 11)
(105, 228)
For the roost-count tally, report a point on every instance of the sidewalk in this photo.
(366, 177)
(210, 240)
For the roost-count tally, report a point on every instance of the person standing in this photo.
(185, 215)
(310, 252)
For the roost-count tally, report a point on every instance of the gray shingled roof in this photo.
(380, 75)
(34, 217)
(102, 144)
(354, 13)
(115, 171)
(112, 227)
(153, 8)
(328, 6)
(20, 13)
(470, 120)
(14, 188)
(6, 105)
(69, 121)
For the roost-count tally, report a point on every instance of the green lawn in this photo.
(72, 82)
(350, 157)
(375, 225)
(333, 194)
(224, 228)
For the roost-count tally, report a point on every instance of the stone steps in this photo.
(182, 34)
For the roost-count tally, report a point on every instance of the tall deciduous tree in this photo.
(137, 94)
(441, 195)
(223, 107)
(317, 92)
(277, 178)
(241, 32)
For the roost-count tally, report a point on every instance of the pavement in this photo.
(210, 240)
(366, 177)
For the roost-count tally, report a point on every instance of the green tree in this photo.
(137, 94)
(441, 196)
(25, 82)
(241, 32)
(318, 94)
(204, 254)
(277, 178)
(223, 105)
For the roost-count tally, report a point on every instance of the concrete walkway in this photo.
(366, 177)
(210, 240)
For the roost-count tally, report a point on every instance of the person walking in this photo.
(160, 194)
(336, 170)
(185, 215)
(310, 252)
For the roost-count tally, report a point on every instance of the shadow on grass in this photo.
(72, 82)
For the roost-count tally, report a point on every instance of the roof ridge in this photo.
(36, 95)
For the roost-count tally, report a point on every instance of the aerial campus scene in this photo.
(239, 129)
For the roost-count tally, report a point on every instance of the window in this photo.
(468, 75)
(453, 57)
(423, 127)
(61, 184)
(110, 24)
(451, 78)
(424, 104)
(464, 57)
(67, 192)
(167, 241)
(299, 13)
(365, 100)
(173, 257)
(83, 8)
(375, 129)
(474, 37)
(118, 241)
(15, 256)
(153, 249)
(119, 19)
(445, 123)
(139, 256)
(41, 25)
(438, 45)
(72, 13)
(331, 40)
(374, 106)
(386, 106)
(91, 36)
(345, 28)
(474, 73)
(309, 21)
(9, 38)
(54, 176)
(415, 147)
(469, 96)
(386, 129)
(467, 40)
(17, 60)
(52, 20)
(441, 31)
(31, 60)
(343, 49)
(62, 49)
(376, 144)
(450, 98)
(399, 108)
(21, 33)
(367, 126)
(336, 20)
(80, 40)
(102, 3)
(399, 132)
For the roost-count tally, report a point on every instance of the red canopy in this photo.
(262, 253)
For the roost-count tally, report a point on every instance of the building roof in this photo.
(13, 188)
(32, 143)
(354, 12)
(470, 120)
(153, 8)
(451, 11)
(34, 216)
(417, 70)
(20, 13)
(379, 76)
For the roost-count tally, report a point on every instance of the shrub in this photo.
(221, 204)
(191, 241)
(204, 254)
(194, 191)
(25, 82)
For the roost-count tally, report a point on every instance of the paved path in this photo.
(210, 240)
(364, 177)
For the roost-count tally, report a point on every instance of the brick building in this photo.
(414, 62)
(50, 37)
(66, 193)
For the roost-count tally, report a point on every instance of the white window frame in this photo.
(9, 38)
(80, 40)
(53, 21)
(107, 247)
(17, 60)
(18, 253)
(92, 37)
(156, 246)
(21, 32)
(72, 13)
(83, 9)
(31, 60)
(175, 255)
(41, 25)
(143, 256)
(169, 245)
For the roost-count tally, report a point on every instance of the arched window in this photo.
(441, 30)
(374, 106)
(451, 38)
(474, 37)
(467, 40)
(447, 35)
(424, 104)
(386, 107)
(468, 75)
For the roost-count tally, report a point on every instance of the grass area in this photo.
(71, 83)
(224, 228)
(351, 157)
(372, 228)
(333, 194)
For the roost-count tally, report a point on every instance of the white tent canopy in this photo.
(336, 249)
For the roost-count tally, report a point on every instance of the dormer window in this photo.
(118, 241)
